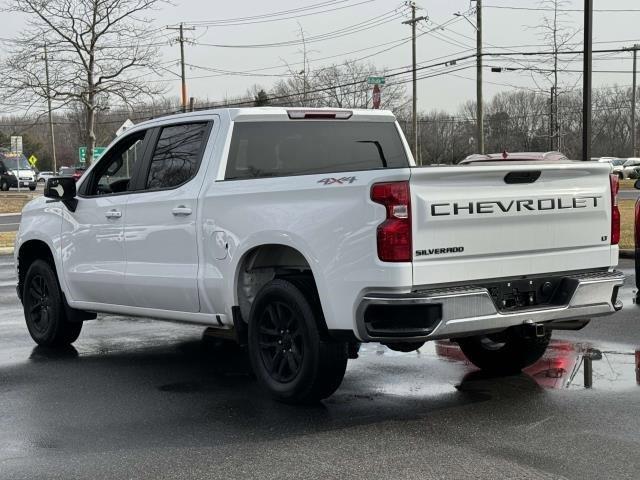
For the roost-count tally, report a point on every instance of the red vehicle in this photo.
(78, 173)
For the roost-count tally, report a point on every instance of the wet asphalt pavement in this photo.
(151, 400)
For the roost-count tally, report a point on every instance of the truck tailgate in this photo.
(509, 220)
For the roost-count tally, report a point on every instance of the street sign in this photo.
(125, 126)
(16, 144)
(97, 153)
(33, 160)
(376, 80)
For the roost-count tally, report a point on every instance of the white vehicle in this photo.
(44, 176)
(306, 232)
(617, 165)
(630, 168)
(23, 174)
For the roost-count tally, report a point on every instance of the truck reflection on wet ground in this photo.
(563, 365)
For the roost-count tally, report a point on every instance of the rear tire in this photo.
(506, 352)
(288, 354)
(44, 308)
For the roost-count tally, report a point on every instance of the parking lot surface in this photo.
(142, 399)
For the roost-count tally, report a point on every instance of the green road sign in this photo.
(375, 80)
(97, 153)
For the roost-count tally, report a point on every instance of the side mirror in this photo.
(62, 189)
(637, 185)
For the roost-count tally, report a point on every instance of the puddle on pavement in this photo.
(614, 367)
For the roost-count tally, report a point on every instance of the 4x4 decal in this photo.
(339, 181)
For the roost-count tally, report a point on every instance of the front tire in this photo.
(4, 186)
(288, 355)
(44, 308)
(32, 188)
(505, 352)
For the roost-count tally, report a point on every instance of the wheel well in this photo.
(28, 253)
(261, 265)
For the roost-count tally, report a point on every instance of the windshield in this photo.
(13, 161)
(631, 162)
(617, 162)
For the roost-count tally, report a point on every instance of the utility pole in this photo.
(181, 40)
(51, 134)
(479, 100)
(634, 49)
(551, 121)
(414, 20)
(587, 80)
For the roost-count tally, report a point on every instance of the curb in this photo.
(628, 253)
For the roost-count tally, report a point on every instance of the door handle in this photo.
(113, 214)
(181, 211)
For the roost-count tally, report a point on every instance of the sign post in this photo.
(377, 97)
(377, 94)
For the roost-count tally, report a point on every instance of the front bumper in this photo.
(470, 310)
(13, 183)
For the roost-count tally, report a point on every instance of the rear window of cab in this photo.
(286, 148)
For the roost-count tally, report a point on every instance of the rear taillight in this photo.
(615, 211)
(394, 234)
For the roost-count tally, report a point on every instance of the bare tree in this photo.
(99, 51)
(557, 31)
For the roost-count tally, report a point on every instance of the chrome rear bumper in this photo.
(470, 310)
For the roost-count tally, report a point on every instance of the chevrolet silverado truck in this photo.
(303, 233)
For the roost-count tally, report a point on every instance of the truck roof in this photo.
(252, 114)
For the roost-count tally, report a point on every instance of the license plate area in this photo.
(528, 293)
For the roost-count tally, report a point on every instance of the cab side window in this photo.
(177, 155)
(114, 171)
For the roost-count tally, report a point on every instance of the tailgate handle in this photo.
(522, 177)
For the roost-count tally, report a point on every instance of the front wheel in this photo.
(4, 186)
(288, 355)
(44, 308)
(32, 188)
(505, 352)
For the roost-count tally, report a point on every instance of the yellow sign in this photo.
(33, 160)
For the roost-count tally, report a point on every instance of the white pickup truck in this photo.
(306, 232)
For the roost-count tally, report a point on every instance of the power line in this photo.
(379, 20)
(576, 10)
(298, 10)
(262, 19)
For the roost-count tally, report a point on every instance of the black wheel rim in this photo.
(39, 304)
(280, 341)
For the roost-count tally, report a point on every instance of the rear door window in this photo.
(177, 155)
(275, 149)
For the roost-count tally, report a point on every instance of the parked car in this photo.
(44, 176)
(630, 168)
(7, 178)
(66, 171)
(22, 174)
(78, 172)
(617, 165)
(303, 233)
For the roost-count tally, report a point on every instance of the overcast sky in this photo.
(503, 27)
